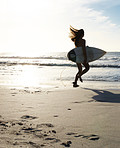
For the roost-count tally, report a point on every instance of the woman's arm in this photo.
(84, 51)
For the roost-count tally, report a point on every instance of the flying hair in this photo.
(74, 33)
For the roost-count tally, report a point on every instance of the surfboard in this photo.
(76, 54)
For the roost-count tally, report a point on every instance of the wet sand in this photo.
(74, 117)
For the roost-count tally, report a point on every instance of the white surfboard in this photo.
(76, 54)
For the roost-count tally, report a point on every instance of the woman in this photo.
(77, 37)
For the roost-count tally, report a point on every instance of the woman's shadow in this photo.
(105, 96)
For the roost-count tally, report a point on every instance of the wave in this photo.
(110, 59)
(110, 56)
(56, 64)
(41, 57)
(59, 58)
(104, 66)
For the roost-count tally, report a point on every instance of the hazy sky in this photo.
(34, 26)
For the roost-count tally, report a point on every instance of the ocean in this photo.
(54, 70)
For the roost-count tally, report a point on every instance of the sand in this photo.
(74, 117)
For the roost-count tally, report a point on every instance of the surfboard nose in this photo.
(104, 52)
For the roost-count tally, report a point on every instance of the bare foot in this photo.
(75, 84)
(81, 80)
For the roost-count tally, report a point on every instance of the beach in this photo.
(59, 74)
(40, 108)
(56, 118)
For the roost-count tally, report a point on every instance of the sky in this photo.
(35, 26)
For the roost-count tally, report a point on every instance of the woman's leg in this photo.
(78, 75)
(87, 67)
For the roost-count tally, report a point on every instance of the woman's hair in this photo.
(74, 33)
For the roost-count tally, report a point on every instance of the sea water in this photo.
(55, 70)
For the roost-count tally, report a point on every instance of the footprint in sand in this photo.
(93, 137)
(28, 129)
(55, 116)
(3, 123)
(71, 133)
(44, 125)
(89, 137)
(28, 117)
(21, 129)
(66, 144)
(77, 102)
(53, 140)
(33, 144)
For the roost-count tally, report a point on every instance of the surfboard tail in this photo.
(71, 56)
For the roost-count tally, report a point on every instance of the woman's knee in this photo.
(87, 67)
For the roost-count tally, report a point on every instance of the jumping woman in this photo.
(77, 37)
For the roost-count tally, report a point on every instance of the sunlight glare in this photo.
(29, 76)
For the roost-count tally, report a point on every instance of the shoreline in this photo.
(65, 85)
